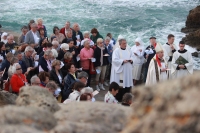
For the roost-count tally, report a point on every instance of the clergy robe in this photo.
(168, 53)
(121, 73)
(176, 71)
(154, 74)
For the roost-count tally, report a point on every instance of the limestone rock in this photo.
(82, 117)
(38, 97)
(7, 98)
(25, 116)
(168, 107)
(193, 28)
(18, 129)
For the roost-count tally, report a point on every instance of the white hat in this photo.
(158, 47)
(64, 46)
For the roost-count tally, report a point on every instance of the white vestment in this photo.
(182, 72)
(138, 60)
(167, 53)
(121, 73)
(151, 75)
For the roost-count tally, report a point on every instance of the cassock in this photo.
(176, 71)
(121, 73)
(168, 53)
(154, 74)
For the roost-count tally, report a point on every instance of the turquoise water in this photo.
(130, 18)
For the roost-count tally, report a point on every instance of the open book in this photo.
(181, 61)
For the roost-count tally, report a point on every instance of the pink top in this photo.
(84, 55)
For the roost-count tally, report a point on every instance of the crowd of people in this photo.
(65, 62)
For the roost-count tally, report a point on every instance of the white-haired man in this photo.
(10, 45)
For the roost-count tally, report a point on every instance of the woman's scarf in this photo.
(101, 59)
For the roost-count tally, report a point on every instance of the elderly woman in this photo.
(63, 49)
(45, 61)
(56, 74)
(95, 35)
(68, 58)
(69, 79)
(21, 39)
(4, 37)
(12, 62)
(18, 79)
(58, 35)
(56, 45)
(101, 56)
(54, 55)
(86, 36)
(53, 88)
(40, 25)
(44, 78)
(138, 59)
(85, 58)
(127, 99)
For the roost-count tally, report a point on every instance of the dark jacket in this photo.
(54, 77)
(61, 55)
(5, 64)
(43, 64)
(94, 38)
(150, 56)
(97, 56)
(68, 81)
(74, 34)
(26, 62)
(3, 54)
(110, 51)
(74, 56)
(10, 47)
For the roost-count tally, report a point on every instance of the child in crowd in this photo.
(110, 95)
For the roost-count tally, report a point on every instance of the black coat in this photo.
(74, 36)
(61, 55)
(5, 64)
(97, 56)
(43, 64)
(150, 56)
(54, 77)
(74, 56)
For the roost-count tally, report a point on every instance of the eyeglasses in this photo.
(18, 68)
(36, 84)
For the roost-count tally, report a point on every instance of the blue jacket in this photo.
(110, 51)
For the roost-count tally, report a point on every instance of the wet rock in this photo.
(35, 96)
(168, 107)
(81, 117)
(28, 117)
(192, 28)
(7, 98)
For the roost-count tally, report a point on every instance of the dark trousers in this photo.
(89, 76)
(108, 72)
(145, 74)
(121, 93)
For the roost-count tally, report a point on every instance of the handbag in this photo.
(92, 69)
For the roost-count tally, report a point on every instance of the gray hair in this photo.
(48, 52)
(52, 85)
(33, 79)
(10, 35)
(28, 48)
(13, 60)
(99, 40)
(14, 67)
(82, 74)
(55, 43)
(55, 53)
(121, 40)
(107, 38)
(86, 90)
(85, 41)
(85, 33)
(127, 97)
(33, 25)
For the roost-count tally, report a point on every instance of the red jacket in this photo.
(62, 30)
(16, 82)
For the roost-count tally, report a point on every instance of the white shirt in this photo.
(36, 38)
(60, 78)
(109, 98)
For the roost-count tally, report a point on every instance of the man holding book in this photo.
(182, 62)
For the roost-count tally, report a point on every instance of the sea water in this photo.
(130, 18)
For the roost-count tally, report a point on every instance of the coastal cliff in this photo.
(192, 28)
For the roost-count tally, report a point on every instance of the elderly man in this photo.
(68, 36)
(77, 34)
(35, 81)
(21, 39)
(157, 70)
(122, 66)
(64, 29)
(182, 62)
(10, 45)
(33, 37)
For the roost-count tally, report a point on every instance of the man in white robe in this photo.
(169, 48)
(122, 66)
(183, 68)
(157, 68)
(117, 43)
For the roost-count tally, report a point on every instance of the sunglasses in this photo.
(18, 68)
